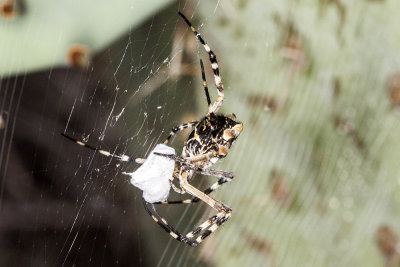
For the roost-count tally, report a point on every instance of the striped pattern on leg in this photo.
(162, 222)
(214, 66)
(212, 188)
(196, 236)
(105, 153)
(179, 128)
(175, 158)
(203, 77)
(207, 228)
(187, 161)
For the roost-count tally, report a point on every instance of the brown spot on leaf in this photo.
(78, 56)
(267, 103)
(292, 44)
(293, 49)
(280, 191)
(393, 88)
(341, 10)
(346, 128)
(388, 243)
(257, 243)
(337, 87)
(8, 9)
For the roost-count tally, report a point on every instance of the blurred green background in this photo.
(315, 83)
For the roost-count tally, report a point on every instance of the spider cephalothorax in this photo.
(214, 133)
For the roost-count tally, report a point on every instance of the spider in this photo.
(209, 141)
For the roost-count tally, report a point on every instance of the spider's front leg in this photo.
(205, 229)
(194, 237)
(214, 65)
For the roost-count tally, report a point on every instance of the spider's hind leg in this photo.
(162, 222)
(196, 236)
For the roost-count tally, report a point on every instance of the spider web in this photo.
(64, 205)
(316, 167)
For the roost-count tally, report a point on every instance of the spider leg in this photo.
(203, 76)
(188, 188)
(216, 173)
(162, 222)
(187, 161)
(173, 157)
(225, 177)
(196, 236)
(212, 224)
(105, 153)
(175, 188)
(179, 128)
(214, 65)
(186, 165)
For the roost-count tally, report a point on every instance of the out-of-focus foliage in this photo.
(317, 164)
(43, 34)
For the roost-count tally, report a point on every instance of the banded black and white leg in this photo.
(179, 128)
(104, 152)
(193, 123)
(126, 157)
(214, 65)
(203, 77)
(187, 161)
(196, 236)
(186, 164)
(224, 177)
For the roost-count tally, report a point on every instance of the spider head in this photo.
(233, 128)
(230, 131)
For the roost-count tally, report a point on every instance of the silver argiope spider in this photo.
(209, 141)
